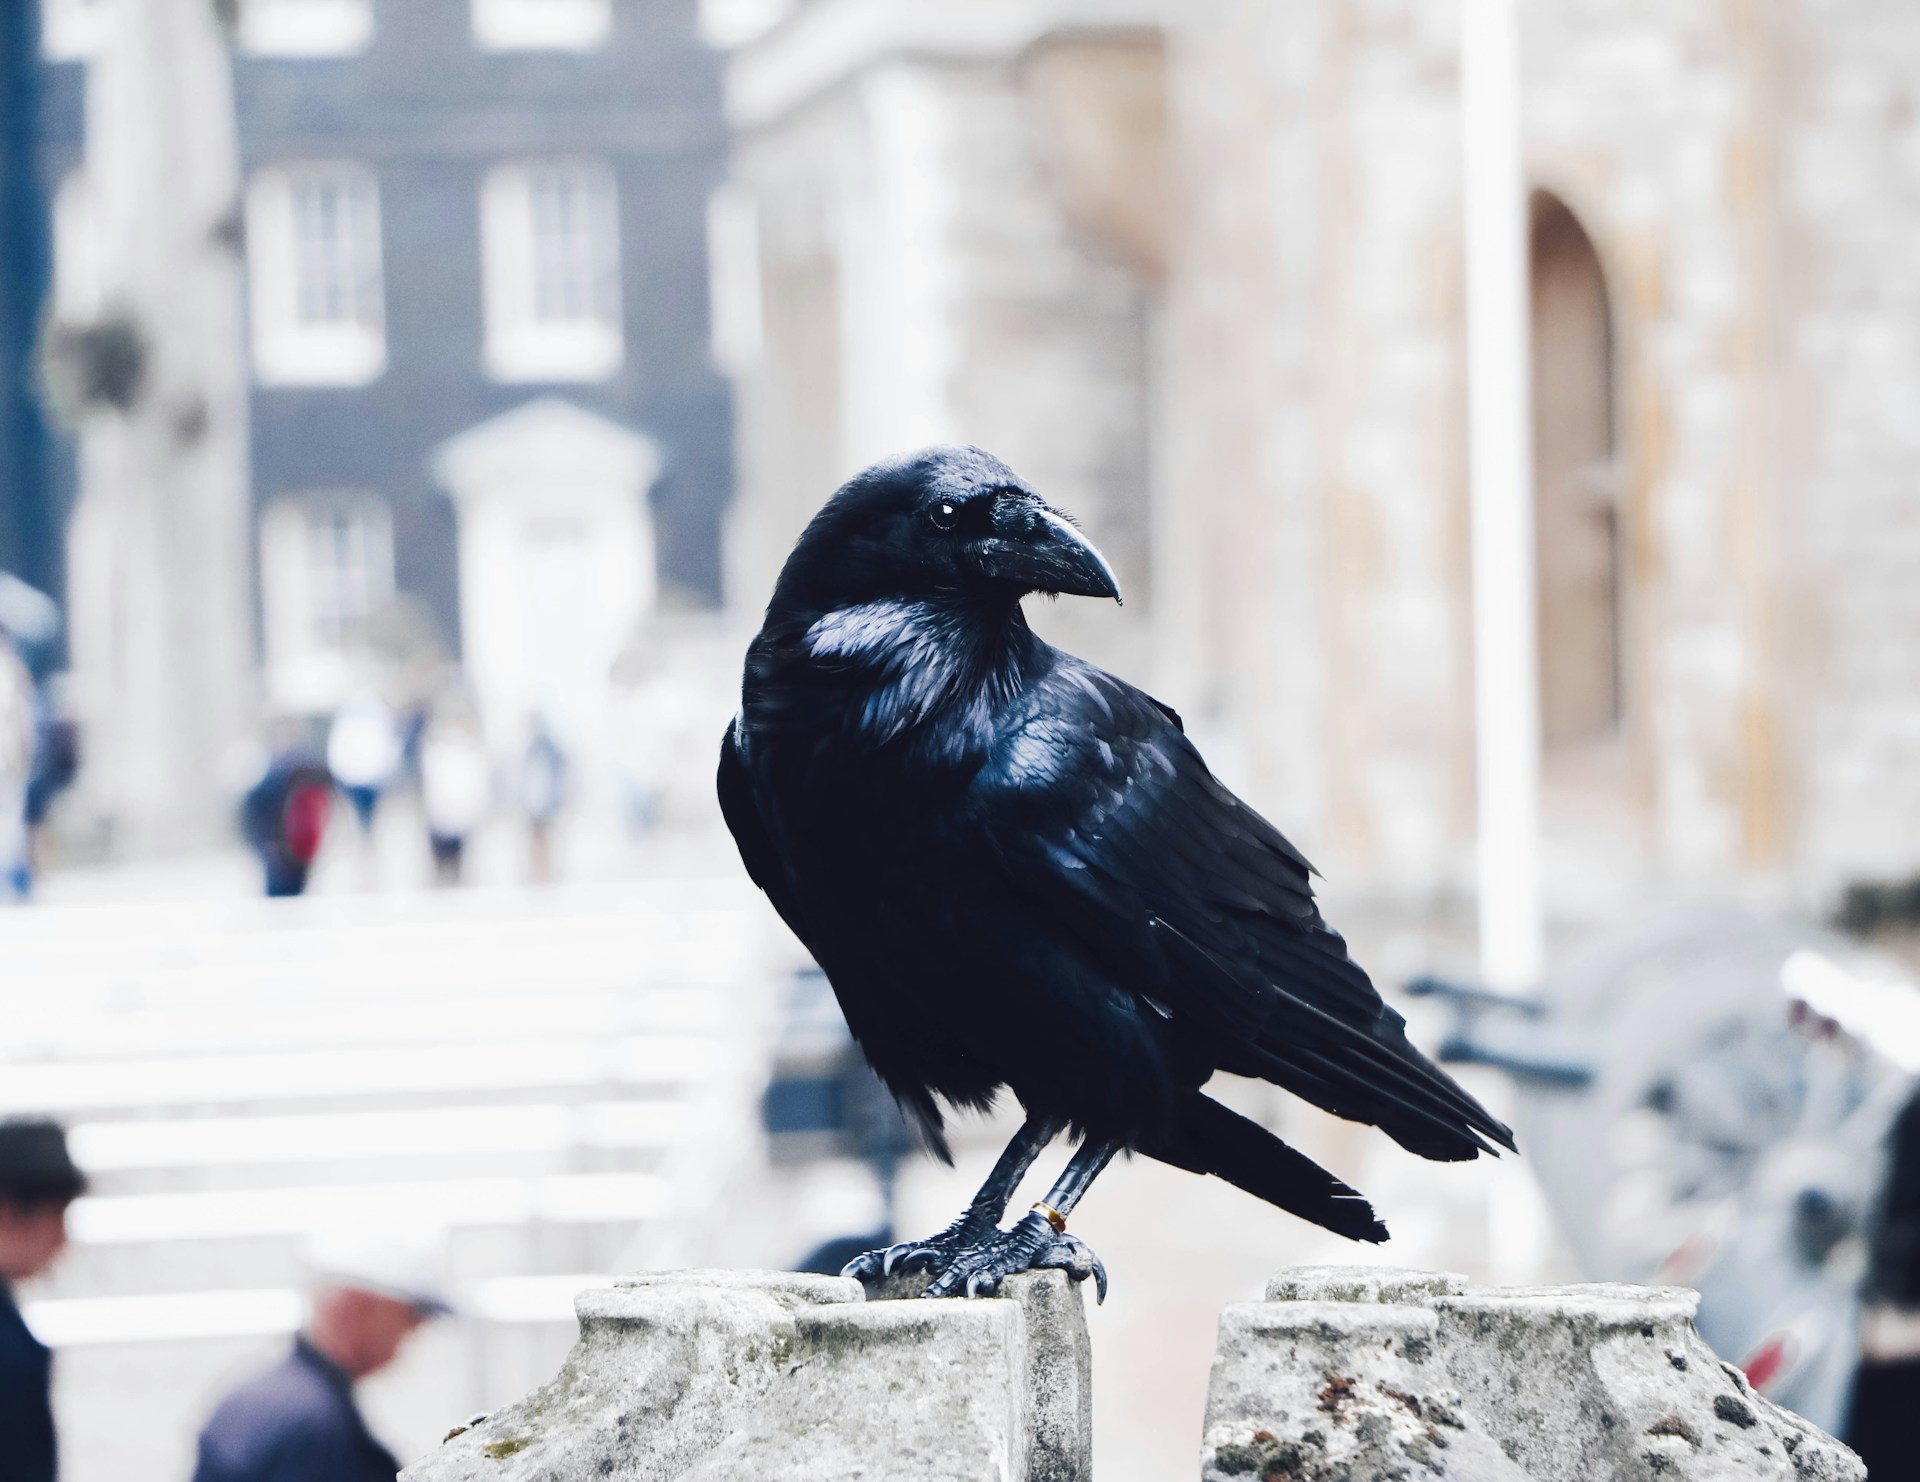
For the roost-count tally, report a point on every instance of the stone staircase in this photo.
(566, 1080)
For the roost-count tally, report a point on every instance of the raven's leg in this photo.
(1039, 1241)
(980, 1219)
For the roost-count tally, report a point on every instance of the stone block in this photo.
(1346, 1389)
(1361, 1374)
(1059, 1377)
(1362, 1284)
(1059, 1367)
(1607, 1383)
(1342, 1375)
(788, 1288)
(705, 1375)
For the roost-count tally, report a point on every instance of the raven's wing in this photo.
(1102, 813)
(749, 832)
(761, 856)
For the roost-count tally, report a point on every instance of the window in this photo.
(313, 257)
(552, 248)
(541, 25)
(73, 30)
(326, 570)
(306, 28)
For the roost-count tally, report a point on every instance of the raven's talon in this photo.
(923, 1256)
(1071, 1254)
(1031, 1245)
(865, 1267)
(933, 1254)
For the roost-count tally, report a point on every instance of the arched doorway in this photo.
(1576, 489)
(1588, 796)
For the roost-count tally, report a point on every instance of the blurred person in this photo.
(17, 707)
(1886, 1386)
(56, 762)
(638, 748)
(657, 723)
(456, 784)
(284, 816)
(38, 1180)
(542, 794)
(298, 1421)
(364, 752)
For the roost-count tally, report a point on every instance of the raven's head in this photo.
(943, 522)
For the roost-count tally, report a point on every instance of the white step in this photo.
(568, 1198)
(277, 1021)
(67, 1087)
(68, 1322)
(431, 1132)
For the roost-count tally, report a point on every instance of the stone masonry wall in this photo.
(1750, 177)
(1848, 162)
(924, 282)
(1649, 122)
(1277, 431)
(1314, 530)
(1342, 1374)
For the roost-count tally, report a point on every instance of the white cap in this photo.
(406, 1263)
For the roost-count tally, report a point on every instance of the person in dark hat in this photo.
(298, 1422)
(38, 1181)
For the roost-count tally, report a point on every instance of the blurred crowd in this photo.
(309, 777)
(295, 1421)
(369, 749)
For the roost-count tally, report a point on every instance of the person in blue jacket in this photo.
(298, 1422)
(37, 1182)
(284, 817)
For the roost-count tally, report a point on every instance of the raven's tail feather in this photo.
(1208, 1138)
(1385, 1081)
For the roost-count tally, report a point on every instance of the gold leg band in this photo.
(1054, 1217)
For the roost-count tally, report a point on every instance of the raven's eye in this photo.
(945, 515)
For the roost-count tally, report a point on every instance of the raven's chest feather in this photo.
(869, 722)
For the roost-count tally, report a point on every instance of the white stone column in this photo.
(160, 552)
(1500, 460)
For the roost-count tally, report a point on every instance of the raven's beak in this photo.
(1043, 551)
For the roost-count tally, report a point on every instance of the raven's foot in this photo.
(1031, 1245)
(933, 1254)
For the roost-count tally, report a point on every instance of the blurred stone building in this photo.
(1196, 270)
(414, 293)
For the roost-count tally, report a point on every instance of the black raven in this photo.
(1017, 871)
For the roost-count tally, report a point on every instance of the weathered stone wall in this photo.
(925, 281)
(764, 1374)
(1648, 122)
(1369, 1374)
(1848, 164)
(1264, 424)
(1748, 173)
(1343, 1374)
(1313, 530)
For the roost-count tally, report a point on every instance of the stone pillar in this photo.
(1341, 1375)
(716, 1375)
(1371, 1374)
(160, 545)
(1333, 1375)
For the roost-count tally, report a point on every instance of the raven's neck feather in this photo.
(927, 673)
